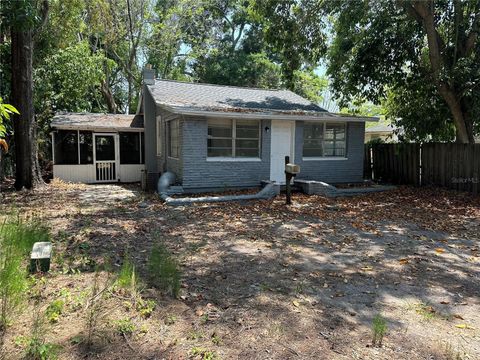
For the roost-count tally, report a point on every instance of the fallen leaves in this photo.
(403, 261)
(439, 250)
(464, 326)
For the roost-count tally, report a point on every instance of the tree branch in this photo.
(473, 35)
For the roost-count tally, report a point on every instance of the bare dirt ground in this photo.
(264, 281)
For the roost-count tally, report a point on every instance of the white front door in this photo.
(282, 144)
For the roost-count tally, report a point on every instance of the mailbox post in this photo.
(291, 170)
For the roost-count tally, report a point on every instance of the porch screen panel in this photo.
(220, 138)
(66, 147)
(130, 148)
(86, 147)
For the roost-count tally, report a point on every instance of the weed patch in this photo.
(379, 328)
(163, 270)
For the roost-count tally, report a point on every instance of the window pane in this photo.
(212, 152)
(335, 131)
(220, 128)
(313, 137)
(334, 148)
(66, 147)
(313, 131)
(246, 148)
(173, 134)
(86, 147)
(312, 148)
(129, 148)
(247, 129)
(219, 143)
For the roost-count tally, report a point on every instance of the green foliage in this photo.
(36, 346)
(17, 237)
(66, 80)
(204, 354)
(127, 278)
(146, 307)
(163, 270)
(125, 326)
(309, 85)
(54, 310)
(36, 350)
(379, 328)
(6, 110)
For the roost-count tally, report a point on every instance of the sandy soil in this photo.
(264, 281)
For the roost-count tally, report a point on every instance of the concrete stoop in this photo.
(312, 187)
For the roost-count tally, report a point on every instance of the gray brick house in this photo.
(211, 137)
(223, 137)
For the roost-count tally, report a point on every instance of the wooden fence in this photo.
(454, 166)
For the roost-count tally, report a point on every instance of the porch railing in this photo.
(106, 171)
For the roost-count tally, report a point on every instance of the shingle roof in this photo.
(380, 128)
(208, 97)
(90, 120)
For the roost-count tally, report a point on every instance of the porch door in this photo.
(105, 157)
(282, 144)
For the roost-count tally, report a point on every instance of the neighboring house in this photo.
(224, 137)
(384, 132)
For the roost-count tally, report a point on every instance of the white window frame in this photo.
(316, 158)
(234, 138)
(159, 135)
(168, 126)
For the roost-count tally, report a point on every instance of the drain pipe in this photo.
(168, 179)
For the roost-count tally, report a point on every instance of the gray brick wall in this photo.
(200, 174)
(334, 171)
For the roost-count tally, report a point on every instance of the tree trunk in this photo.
(463, 135)
(2, 175)
(109, 99)
(27, 172)
(423, 12)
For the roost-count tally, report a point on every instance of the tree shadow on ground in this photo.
(302, 281)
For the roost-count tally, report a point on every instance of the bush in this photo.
(16, 240)
(163, 270)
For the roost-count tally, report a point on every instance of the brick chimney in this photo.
(148, 75)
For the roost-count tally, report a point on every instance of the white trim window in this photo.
(159, 136)
(323, 140)
(173, 134)
(233, 138)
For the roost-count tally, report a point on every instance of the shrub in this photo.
(16, 240)
(163, 270)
